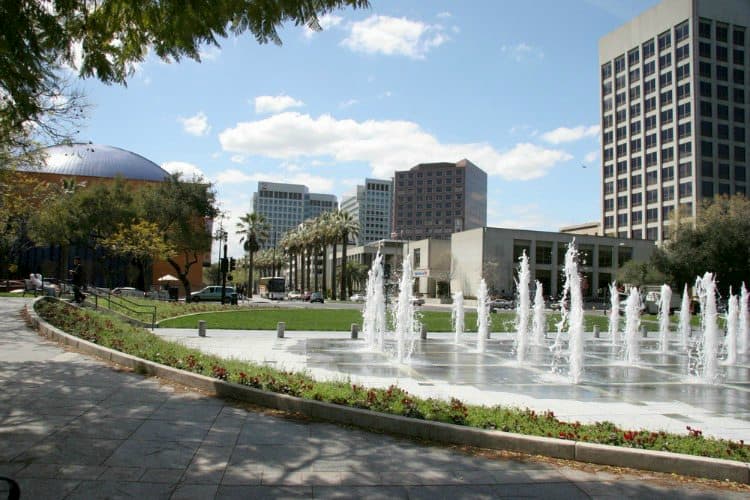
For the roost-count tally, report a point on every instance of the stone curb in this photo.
(688, 465)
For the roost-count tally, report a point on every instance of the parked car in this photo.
(212, 293)
(306, 296)
(294, 295)
(417, 301)
(316, 297)
(357, 297)
(497, 304)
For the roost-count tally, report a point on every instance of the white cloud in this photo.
(326, 21)
(275, 104)
(386, 145)
(188, 170)
(591, 157)
(444, 15)
(209, 53)
(196, 125)
(522, 51)
(394, 36)
(316, 183)
(348, 103)
(237, 159)
(566, 134)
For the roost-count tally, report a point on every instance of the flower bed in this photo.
(105, 331)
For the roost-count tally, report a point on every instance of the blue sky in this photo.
(512, 86)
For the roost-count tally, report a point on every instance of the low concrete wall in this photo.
(617, 456)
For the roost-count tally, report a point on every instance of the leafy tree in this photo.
(640, 273)
(718, 242)
(142, 242)
(356, 274)
(254, 231)
(180, 210)
(107, 38)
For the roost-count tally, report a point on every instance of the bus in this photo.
(273, 288)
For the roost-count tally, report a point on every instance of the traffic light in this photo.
(232, 263)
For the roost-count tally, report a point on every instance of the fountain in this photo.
(483, 316)
(743, 346)
(614, 314)
(633, 308)
(571, 317)
(373, 316)
(539, 321)
(407, 326)
(457, 316)
(665, 302)
(522, 309)
(733, 320)
(708, 349)
(684, 326)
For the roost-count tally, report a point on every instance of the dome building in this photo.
(90, 164)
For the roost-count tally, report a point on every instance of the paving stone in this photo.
(87, 490)
(194, 491)
(122, 473)
(369, 492)
(153, 454)
(226, 492)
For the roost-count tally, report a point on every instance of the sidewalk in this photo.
(73, 427)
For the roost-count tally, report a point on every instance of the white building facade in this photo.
(674, 101)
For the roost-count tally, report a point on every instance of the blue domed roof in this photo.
(97, 160)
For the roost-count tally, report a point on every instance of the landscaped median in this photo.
(392, 410)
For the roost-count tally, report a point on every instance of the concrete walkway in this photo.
(73, 427)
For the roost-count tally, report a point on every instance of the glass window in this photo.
(685, 169)
(738, 37)
(648, 49)
(682, 52)
(665, 40)
(683, 90)
(722, 53)
(705, 89)
(681, 31)
(739, 134)
(721, 32)
(704, 28)
(722, 73)
(665, 60)
(606, 70)
(722, 112)
(739, 115)
(739, 56)
(686, 189)
(543, 252)
(635, 163)
(620, 64)
(633, 57)
(704, 69)
(738, 76)
(683, 110)
(706, 109)
(704, 49)
(739, 173)
(707, 148)
(722, 92)
(649, 68)
(707, 168)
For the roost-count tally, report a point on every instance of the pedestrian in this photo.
(78, 278)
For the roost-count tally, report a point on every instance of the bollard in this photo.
(424, 332)
(644, 332)
(355, 330)
(280, 327)
(596, 331)
(201, 328)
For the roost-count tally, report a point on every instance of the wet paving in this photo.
(657, 393)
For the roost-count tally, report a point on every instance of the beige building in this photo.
(431, 262)
(674, 100)
(587, 228)
(493, 253)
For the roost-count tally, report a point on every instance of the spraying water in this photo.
(733, 320)
(539, 321)
(707, 368)
(684, 325)
(523, 309)
(406, 324)
(373, 316)
(632, 325)
(614, 314)
(665, 301)
(743, 346)
(457, 316)
(483, 316)
(574, 316)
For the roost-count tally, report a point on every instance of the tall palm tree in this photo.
(254, 230)
(347, 226)
(331, 234)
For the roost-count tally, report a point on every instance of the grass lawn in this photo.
(110, 332)
(341, 320)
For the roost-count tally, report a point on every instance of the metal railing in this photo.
(121, 303)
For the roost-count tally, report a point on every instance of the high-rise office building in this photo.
(371, 206)
(674, 101)
(435, 200)
(286, 206)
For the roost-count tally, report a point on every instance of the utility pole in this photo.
(224, 266)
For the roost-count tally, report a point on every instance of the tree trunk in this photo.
(333, 272)
(315, 268)
(325, 290)
(344, 238)
(250, 277)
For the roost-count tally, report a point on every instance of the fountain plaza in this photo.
(667, 380)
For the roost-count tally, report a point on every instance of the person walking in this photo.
(78, 278)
